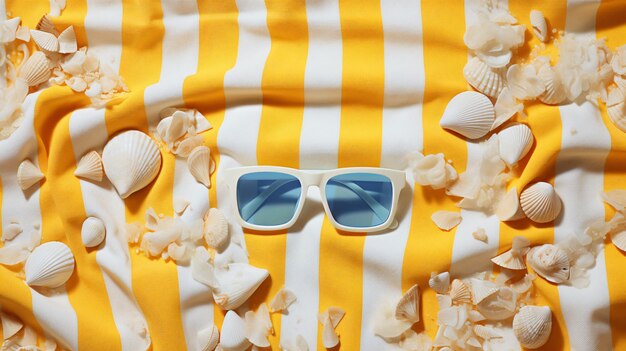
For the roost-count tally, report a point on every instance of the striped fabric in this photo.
(306, 84)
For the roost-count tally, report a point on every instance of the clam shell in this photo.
(282, 300)
(550, 262)
(408, 308)
(49, 265)
(555, 91)
(532, 326)
(616, 108)
(538, 22)
(215, 228)
(45, 24)
(489, 81)
(199, 164)
(35, 70)
(509, 208)
(481, 289)
(540, 202)
(44, 40)
(28, 174)
(237, 284)
(470, 114)
(233, 337)
(93, 232)
(515, 142)
(440, 282)
(208, 338)
(90, 167)
(67, 41)
(460, 292)
(131, 161)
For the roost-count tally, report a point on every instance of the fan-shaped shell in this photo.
(408, 308)
(199, 164)
(45, 24)
(93, 231)
(208, 338)
(233, 337)
(515, 142)
(470, 114)
(460, 292)
(215, 228)
(481, 289)
(540, 202)
(550, 262)
(237, 284)
(555, 91)
(49, 265)
(90, 167)
(35, 70)
(440, 282)
(11, 325)
(618, 238)
(540, 28)
(532, 326)
(46, 41)
(28, 174)
(131, 161)
(67, 41)
(616, 108)
(500, 305)
(489, 81)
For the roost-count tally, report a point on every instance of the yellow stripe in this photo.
(429, 249)
(360, 143)
(29, 11)
(279, 131)
(74, 14)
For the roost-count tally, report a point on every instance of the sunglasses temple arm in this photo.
(380, 211)
(251, 207)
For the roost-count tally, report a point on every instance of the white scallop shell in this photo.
(237, 284)
(67, 41)
(131, 161)
(550, 262)
(233, 336)
(35, 70)
(44, 40)
(28, 174)
(470, 114)
(408, 308)
(532, 326)
(282, 300)
(538, 22)
(509, 208)
(487, 80)
(515, 142)
(460, 292)
(440, 282)
(93, 232)
(540, 202)
(45, 24)
(215, 228)
(208, 338)
(555, 91)
(481, 289)
(90, 167)
(199, 164)
(49, 265)
(616, 108)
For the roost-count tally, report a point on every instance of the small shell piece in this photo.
(233, 337)
(616, 108)
(199, 164)
(90, 167)
(440, 282)
(215, 228)
(509, 209)
(515, 142)
(238, 284)
(93, 232)
(67, 41)
(532, 326)
(45, 24)
(408, 308)
(555, 91)
(540, 28)
(131, 161)
(44, 40)
(481, 289)
(329, 320)
(258, 326)
(201, 268)
(616, 198)
(11, 325)
(35, 70)
(11, 231)
(550, 262)
(470, 114)
(487, 80)
(480, 234)
(28, 174)
(514, 258)
(540, 202)
(50, 265)
(460, 292)
(282, 300)
(446, 220)
(208, 338)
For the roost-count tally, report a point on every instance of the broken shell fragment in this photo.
(49, 265)
(481, 289)
(532, 326)
(500, 305)
(460, 292)
(440, 282)
(408, 308)
(329, 320)
(233, 337)
(515, 142)
(555, 91)
(616, 108)
(540, 202)
(199, 164)
(35, 70)
(11, 325)
(67, 41)
(93, 232)
(480, 234)
(258, 326)
(282, 300)
(550, 262)
(208, 338)
(538, 22)
(487, 80)
(446, 220)
(90, 167)
(514, 258)
(470, 114)
(28, 174)
(237, 284)
(509, 208)
(45, 24)
(44, 40)
(215, 228)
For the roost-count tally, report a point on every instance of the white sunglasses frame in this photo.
(317, 178)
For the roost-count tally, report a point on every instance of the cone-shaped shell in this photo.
(532, 326)
(215, 228)
(35, 70)
(460, 292)
(131, 161)
(49, 265)
(28, 174)
(440, 282)
(67, 41)
(515, 142)
(199, 164)
(509, 208)
(540, 202)
(238, 284)
(616, 108)
(208, 338)
(46, 41)
(93, 232)
(489, 81)
(550, 262)
(540, 28)
(470, 114)
(233, 337)
(408, 308)
(90, 167)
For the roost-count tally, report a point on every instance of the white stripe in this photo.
(383, 254)
(103, 24)
(579, 182)
(54, 313)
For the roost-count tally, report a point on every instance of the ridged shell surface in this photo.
(540, 202)
(616, 108)
(36, 69)
(67, 41)
(28, 174)
(208, 338)
(540, 27)
(233, 336)
(46, 41)
(515, 142)
(489, 81)
(90, 167)
(532, 326)
(49, 265)
(199, 164)
(238, 284)
(550, 262)
(470, 114)
(555, 92)
(93, 232)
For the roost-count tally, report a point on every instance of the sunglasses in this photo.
(359, 199)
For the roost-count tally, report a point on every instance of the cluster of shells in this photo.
(19, 336)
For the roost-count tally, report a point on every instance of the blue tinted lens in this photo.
(268, 198)
(359, 200)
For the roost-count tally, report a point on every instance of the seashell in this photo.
(215, 228)
(440, 282)
(538, 22)
(45, 24)
(514, 258)
(90, 167)
(44, 40)
(408, 308)
(282, 300)
(152, 219)
(199, 164)
(208, 338)
(330, 320)
(616, 108)
(480, 234)
(184, 148)
(509, 208)
(11, 325)
(258, 326)
(486, 332)
(499, 306)
(470, 114)
(540, 202)
(335, 314)
(555, 91)
(67, 41)
(233, 337)
(481, 289)
(201, 268)
(446, 220)
(131, 161)
(532, 326)
(35, 70)
(237, 284)
(28, 174)
(11, 231)
(460, 292)
(487, 80)
(49, 265)
(475, 316)
(386, 325)
(616, 198)
(515, 142)
(93, 232)
(180, 205)
(550, 262)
